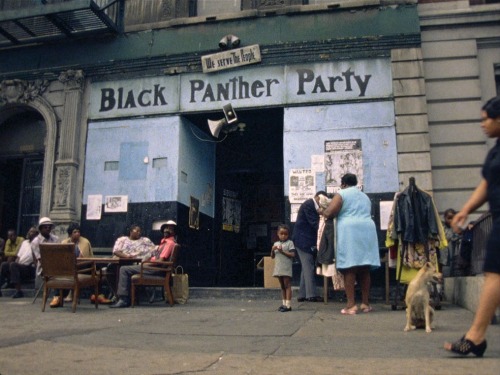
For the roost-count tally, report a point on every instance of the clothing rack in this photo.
(412, 191)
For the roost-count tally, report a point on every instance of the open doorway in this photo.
(249, 198)
(21, 169)
(249, 195)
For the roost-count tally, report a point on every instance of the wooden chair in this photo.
(60, 270)
(163, 280)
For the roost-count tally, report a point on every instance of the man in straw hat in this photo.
(45, 226)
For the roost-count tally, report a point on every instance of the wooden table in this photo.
(103, 261)
(108, 260)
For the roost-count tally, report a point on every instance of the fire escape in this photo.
(55, 20)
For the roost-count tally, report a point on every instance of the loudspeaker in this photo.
(230, 118)
(229, 41)
(216, 126)
(230, 114)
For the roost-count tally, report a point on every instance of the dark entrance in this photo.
(21, 170)
(249, 196)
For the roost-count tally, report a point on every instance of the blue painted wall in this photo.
(129, 142)
(196, 168)
(307, 128)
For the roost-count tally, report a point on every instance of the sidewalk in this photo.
(237, 335)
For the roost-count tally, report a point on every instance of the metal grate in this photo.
(480, 234)
(75, 18)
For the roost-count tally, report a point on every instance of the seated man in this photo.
(11, 248)
(160, 253)
(45, 227)
(12, 245)
(23, 267)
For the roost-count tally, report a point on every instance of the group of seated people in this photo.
(21, 258)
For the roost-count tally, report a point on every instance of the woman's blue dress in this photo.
(357, 242)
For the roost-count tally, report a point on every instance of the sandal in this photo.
(351, 311)
(465, 346)
(366, 308)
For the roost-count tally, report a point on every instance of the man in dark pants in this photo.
(305, 237)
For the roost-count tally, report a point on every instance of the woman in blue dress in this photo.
(357, 249)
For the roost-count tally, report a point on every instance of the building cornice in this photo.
(484, 14)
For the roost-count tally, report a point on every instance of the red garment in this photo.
(165, 249)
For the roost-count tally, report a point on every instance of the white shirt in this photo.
(25, 254)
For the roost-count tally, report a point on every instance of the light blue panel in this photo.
(104, 143)
(196, 168)
(306, 129)
(131, 164)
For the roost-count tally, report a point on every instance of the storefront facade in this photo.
(126, 139)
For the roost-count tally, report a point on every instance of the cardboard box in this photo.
(267, 264)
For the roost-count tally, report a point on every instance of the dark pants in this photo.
(126, 273)
(307, 288)
(15, 273)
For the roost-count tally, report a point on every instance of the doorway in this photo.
(21, 170)
(249, 197)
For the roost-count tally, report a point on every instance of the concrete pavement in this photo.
(243, 334)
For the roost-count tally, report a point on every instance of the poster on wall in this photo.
(341, 157)
(116, 203)
(194, 213)
(94, 207)
(231, 212)
(302, 185)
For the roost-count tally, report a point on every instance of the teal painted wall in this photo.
(195, 40)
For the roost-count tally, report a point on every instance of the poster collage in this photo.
(340, 157)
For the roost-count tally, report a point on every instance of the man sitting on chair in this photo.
(45, 226)
(159, 253)
(23, 267)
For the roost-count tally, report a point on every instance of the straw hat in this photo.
(45, 221)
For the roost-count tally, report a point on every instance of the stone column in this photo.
(66, 166)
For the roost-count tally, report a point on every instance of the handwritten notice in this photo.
(302, 185)
(231, 59)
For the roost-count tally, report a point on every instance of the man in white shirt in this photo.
(45, 226)
(23, 268)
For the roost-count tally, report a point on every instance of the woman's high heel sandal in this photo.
(465, 346)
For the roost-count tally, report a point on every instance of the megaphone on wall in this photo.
(230, 118)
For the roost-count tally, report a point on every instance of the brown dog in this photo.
(419, 312)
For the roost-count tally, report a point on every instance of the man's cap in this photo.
(45, 221)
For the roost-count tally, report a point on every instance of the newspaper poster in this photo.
(231, 210)
(302, 185)
(341, 157)
(116, 203)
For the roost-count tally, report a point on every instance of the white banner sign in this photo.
(231, 59)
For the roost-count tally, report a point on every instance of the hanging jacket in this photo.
(414, 216)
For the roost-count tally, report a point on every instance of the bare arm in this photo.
(121, 254)
(478, 198)
(333, 208)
